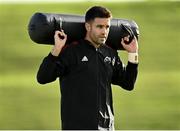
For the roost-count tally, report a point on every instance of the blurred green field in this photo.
(153, 104)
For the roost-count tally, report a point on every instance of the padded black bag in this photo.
(42, 26)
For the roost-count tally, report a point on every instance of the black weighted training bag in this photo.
(42, 27)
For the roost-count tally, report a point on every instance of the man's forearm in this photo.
(48, 70)
(55, 51)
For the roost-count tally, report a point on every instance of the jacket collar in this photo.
(90, 45)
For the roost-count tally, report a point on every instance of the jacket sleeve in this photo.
(124, 76)
(53, 67)
(47, 71)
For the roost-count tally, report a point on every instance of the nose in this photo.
(104, 31)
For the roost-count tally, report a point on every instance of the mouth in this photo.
(102, 37)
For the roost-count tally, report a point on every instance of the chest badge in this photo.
(107, 59)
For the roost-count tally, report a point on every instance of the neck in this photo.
(92, 43)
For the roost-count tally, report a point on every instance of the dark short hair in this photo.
(97, 12)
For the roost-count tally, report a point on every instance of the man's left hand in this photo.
(131, 47)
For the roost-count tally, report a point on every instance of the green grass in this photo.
(154, 103)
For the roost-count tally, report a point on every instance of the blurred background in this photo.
(153, 104)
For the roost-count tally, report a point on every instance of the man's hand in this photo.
(131, 47)
(60, 39)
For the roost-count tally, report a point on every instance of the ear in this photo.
(87, 26)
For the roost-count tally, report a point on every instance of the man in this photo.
(86, 70)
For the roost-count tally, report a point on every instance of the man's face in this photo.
(98, 30)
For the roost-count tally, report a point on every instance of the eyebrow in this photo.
(99, 25)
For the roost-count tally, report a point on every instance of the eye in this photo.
(100, 26)
(107, 27)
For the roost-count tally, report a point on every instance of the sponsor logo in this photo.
(113, 61)
(84, 58)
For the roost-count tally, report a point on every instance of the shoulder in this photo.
(110, 50)
(70, 46)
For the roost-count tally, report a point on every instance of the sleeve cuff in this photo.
(51, 57)
(133, 57)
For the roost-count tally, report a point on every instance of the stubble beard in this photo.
(101, 41)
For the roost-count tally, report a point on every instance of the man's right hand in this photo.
(59, 42)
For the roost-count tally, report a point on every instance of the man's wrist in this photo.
(55, 51)
(133, 57)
